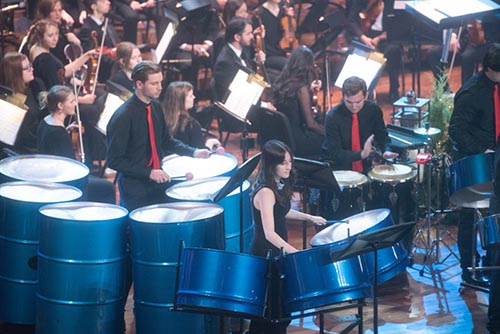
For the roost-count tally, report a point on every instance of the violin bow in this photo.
(100, 54)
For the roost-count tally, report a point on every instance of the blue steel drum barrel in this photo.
(204, 190)
(312, 279)
(222, 282)
(81, 269)
(156, 232)
(391, 260)
(19, 237)
(44, 168)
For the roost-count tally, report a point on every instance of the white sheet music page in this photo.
(453, 8)
(113, 102)
(12, 117)
(164, 42)
(356, 65)
(244, 94)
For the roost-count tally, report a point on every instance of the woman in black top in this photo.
(127, 56)
(271, 207)
(292, 95)
(16, 74)
(178, 100)
(54, 138)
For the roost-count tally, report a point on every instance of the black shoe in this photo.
(479, 280)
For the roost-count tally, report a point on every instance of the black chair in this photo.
(274, 125)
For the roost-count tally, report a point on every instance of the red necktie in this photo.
(357, 166)
(154, 160)
(496, 99)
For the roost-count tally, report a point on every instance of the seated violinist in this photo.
(44, 35)
(127, 56)
(96, 21)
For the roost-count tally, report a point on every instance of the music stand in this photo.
(245, 91)
(237, 179)
(372, 242)
(313, 174)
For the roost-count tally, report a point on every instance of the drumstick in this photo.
(188, 176)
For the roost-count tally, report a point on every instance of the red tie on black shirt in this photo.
(154, 160)
(496, 100)
(357, 166)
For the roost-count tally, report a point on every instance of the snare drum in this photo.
(216, 165)
(350, 200)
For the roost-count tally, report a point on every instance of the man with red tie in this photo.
(354, 128)
(138, 139)
(474, 129)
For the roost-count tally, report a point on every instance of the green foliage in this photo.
(441, 107)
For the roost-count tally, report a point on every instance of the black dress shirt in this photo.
(338, 124)
(129, 149)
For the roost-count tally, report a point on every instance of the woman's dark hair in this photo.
(273, 154)
(124, 52)
(174, 106)
(11, 74)
(45, 7)
(298, 72)
(230, 9)
(491, 59)
(54, 96)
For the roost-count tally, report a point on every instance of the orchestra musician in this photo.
(54, 138)
(127, 56)
(138, 139)
(17, 74)
(98, 9)
(52, 10)
(473, 129)
(367, 24)
(178, 101)
(271, 197)
(292, 95)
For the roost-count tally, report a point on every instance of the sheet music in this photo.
(12, 117)
(113, 102)
(164, 42)
(360, 66)
(244, 94)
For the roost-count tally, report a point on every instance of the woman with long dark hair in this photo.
(271, 197)
(292, 95)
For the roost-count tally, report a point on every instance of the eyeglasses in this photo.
(29, 68)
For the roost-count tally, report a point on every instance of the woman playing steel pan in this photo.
(179, 99)
(271, 207)
(55, 139)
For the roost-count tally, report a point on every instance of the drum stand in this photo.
(432, 246)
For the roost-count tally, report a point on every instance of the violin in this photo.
(259, 46)
(370, 14)
(475, 33)
(316, 108)
(289, 26)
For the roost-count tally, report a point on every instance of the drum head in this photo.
(351, 226)
(392, 173)
(176, 212)
(201, 190)
(217, 165)
(84, 211)
(39, 192)
(43, 168)
(349, 179)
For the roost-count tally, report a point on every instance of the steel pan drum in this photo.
(156, 233)
(204, 190)
(489, 232)
(81, 269)
(44, 168)
(217, 165)
(222, 282)
(19, 237)
(391, 260)
(312, 279)
(469, 181)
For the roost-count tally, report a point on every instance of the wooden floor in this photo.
(424, 298)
